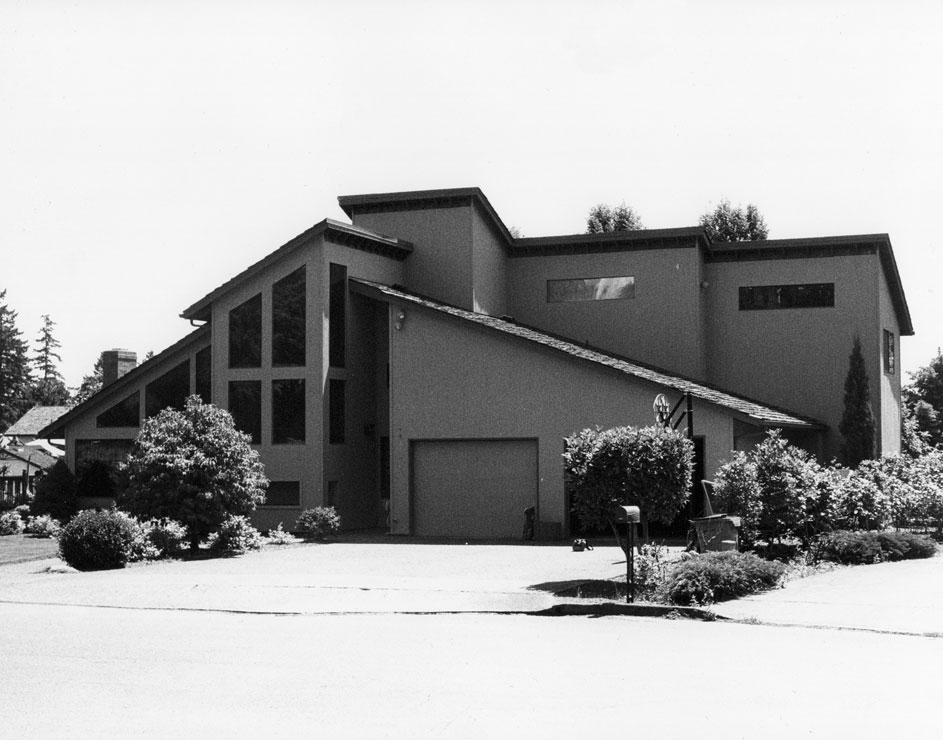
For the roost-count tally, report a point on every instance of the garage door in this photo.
(473, 488)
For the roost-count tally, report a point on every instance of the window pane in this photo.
(288, 320)
(337, 332)
(170, 389)
(890, 358)
(245, 405)
(283, 493)
(245, 334)
(765, 297)
(590, 289)
(288, 411)
(124, 414)
(336, 411)
(204, 375)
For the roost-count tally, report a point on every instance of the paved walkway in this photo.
(408, 577)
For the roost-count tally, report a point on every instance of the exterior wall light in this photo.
(400, 320)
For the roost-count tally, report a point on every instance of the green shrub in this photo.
(316, 523)
(43, 526)
(97, 540)
(720, 576)
(849, 548)
(10, 523)
(236, 536)
(55, 494)
(279, 536)
(23, 511)
(166, 536)
(920, 546)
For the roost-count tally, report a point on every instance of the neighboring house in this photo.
(20, 466)
(26, 429)
(421, 366)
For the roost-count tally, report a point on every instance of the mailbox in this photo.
(626, 515)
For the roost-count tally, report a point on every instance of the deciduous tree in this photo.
(603, 220)
(924, 397)
(727, 223)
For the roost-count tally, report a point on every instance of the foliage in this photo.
(914, 441)
(604, 220)
(14, 367)
(897, 490)
(10, 523)
(195, 467)
(96, 480)
(648, 467)
(923, 396)
(43, 526)
(736, 491)
(55, 493)
(236, 536)
(279, 536)
(728, 224)
(857, 422)
(863, 548)
(651, 571)
(97, 540)
(165, 536)
(91, 384)
(318, 522)
(49, 389)
(720, 576)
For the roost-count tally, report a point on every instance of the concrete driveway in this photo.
(328, 578)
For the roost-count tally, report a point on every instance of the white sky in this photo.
(151, 150)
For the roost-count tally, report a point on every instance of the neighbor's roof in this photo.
(758, 412)
(19, 458)
(122, 383)
(34, 420)
(334, 231)
(824, 246)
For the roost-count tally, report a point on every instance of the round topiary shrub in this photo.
(316, 523)
(97, 540)
(236, 536)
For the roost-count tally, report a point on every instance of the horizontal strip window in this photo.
(767, 297)
(283, 493)
(590, 289)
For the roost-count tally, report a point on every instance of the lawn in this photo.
(19, 548)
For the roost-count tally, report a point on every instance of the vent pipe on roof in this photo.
(115, 363)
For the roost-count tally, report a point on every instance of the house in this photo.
(419, 367)
(25, 430)
(20, 467)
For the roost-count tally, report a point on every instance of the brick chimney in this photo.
(115, 363)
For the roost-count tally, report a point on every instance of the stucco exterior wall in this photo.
(441, 263)
(454, 380)
(793, 358)
(661, 326)
(489, 268)
(887, 397)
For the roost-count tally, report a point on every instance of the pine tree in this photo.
(857, 423)
(91, 384)
(49, 388)
(14, 367)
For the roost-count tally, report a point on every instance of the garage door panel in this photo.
(473, 488)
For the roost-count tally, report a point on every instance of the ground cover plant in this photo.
(863, 548)
(698, 580)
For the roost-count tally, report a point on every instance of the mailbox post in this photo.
(628, 515)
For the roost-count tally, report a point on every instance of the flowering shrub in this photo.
(97, 540)
(10, 523)
(43, 526)
(236, 536)
(318, 522)
(720, 576)
(279, 536)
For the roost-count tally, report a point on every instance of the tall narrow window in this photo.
(245, 405)
(288, 411)
(169, 390)
(890, 354)
(245, 334)
(337, 409)
(337, 317)
(124, 414)
(288, 320)
(204, 375)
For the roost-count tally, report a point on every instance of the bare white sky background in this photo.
(151, 150)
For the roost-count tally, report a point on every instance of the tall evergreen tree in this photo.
(14, 367)
(49, 388)
(857, 422)
(91, 384)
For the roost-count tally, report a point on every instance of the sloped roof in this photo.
(757, 412)
(35, 420)
(18, 458)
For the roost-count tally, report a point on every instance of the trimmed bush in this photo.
(97, 540)
(236, 536)
(43, 526)
(10, 523)
(279, 536)
(921, 546)
(865, 548)
(55, 494)
(316, 523)
(720, 576)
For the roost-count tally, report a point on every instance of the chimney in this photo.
(115, 363)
